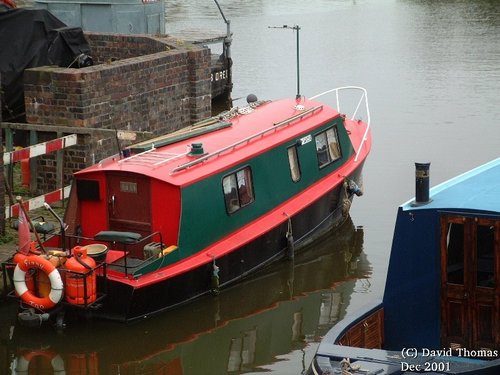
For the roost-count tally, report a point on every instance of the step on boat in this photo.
(440, 312)
(191, 212)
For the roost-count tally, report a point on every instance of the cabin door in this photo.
(129, 203)
(470, 283)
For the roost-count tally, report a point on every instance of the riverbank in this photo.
(6, 250)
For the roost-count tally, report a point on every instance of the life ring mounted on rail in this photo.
(24, 264)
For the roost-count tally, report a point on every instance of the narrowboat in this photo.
(186, 214)
(440, 312)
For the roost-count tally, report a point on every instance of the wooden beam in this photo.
(122, 134)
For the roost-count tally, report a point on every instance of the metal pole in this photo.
(297, 28)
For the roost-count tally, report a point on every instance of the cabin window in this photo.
(293, 161)
(128, 187)
(327, 147)
(238, 190)
(87, 190)
(455, 253)
(485, 247)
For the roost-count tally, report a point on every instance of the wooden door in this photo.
(129, 203)
(470, 278)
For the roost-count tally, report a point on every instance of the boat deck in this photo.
(376, 361)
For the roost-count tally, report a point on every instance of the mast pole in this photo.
(297, 29)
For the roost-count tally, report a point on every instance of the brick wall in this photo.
(152, 92)
(139, 83)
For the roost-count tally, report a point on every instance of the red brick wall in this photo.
(138, 83)
(153, 92)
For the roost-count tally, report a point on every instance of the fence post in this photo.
(33, 165)
(60, 167)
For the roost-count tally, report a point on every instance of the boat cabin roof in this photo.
(477, 189)
(230, 141)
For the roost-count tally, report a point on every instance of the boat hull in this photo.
(125, 302)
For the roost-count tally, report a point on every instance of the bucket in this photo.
(97, 251)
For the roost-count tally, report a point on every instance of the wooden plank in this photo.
(73, 130)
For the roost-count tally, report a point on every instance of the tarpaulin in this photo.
(30, 38)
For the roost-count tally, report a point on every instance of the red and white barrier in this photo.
(39, 149)
(37, 202)
(31, 152)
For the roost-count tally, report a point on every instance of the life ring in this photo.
(24, 263)
(23, 361)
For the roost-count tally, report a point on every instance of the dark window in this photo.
(238, 189)
(327, 147)
(485, 247)
(87, 190)
(293, 161)
(455, 253)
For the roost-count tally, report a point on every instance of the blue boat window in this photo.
(327, 147)
(293, 161)
(238, 190)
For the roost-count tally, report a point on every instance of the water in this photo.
(432, 71)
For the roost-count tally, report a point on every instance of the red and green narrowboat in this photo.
(191, 212)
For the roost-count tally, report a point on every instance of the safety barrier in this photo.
(31, 152)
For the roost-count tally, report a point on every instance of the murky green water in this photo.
(432, 70)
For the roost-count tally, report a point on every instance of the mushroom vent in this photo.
(197, 149)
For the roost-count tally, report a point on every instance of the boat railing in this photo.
(7, 269)
(273, 128)
(126, 262)
(149, 157)
(362, 102)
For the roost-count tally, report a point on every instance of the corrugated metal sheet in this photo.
(117, 16)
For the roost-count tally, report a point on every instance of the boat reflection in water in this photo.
(282, 309)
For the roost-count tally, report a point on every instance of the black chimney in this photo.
(422, 183)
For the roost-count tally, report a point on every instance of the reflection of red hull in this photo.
(172, 367)
(8, 3)
(290, 287)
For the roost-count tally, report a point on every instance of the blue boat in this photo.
(440, 312)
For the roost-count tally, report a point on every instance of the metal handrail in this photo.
(364, 97)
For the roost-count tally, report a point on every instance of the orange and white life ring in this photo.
(23, 361)
(25, 263)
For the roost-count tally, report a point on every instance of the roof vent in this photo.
(197, 149)
(252, 98)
